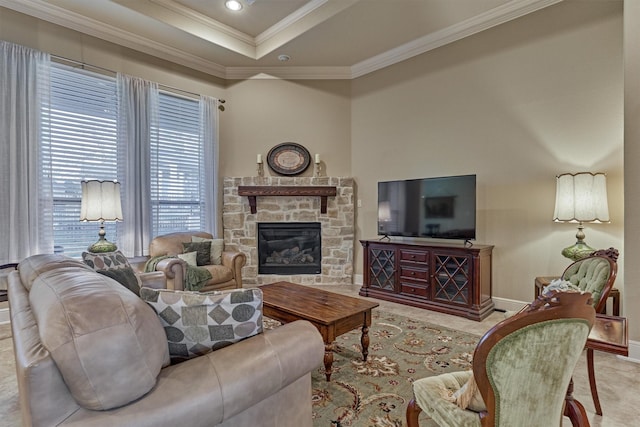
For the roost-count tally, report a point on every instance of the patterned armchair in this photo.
(522, 368)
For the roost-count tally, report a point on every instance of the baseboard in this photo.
(634, 352)
(505, 304)
(4, 315)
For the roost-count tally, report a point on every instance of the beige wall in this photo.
(265, 112)
(516, 105)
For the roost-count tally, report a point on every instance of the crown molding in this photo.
(54, 14)
(74, 21)
(499, 15)
(289, 73)
(217, 26)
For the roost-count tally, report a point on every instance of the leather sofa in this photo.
(227, 275)
(89, 352)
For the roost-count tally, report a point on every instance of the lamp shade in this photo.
(100, 201)
(581, 197)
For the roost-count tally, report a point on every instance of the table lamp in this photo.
(581, 197)
(101, 202)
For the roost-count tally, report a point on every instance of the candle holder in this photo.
(317, 169)
(260, 169)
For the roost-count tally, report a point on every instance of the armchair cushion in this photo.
(197, 323)
(428, 394)
(191, 258)
(217, 247)
(203, 251)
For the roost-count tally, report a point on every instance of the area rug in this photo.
(376, 392)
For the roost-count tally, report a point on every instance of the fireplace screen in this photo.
(289, 248)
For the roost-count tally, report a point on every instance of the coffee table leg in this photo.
(364, 340)
(328, 360)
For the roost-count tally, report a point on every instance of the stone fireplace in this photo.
(281, 215)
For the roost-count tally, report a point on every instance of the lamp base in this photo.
(577, 251)
(102, 245)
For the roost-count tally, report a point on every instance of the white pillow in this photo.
(217, 246)
(190, 257)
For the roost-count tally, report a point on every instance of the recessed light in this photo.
(283, 58)
(234, 5)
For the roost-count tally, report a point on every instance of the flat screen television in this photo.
(443, 208)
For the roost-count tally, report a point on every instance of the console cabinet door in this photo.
(452, 278)
(382, 268)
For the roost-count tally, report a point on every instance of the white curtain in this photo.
(137, 127)
(209, 140)
(25, 197)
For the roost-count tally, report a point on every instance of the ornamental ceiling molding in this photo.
(272, 38)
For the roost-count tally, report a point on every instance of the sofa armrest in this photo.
(278, 357)
(235, 261)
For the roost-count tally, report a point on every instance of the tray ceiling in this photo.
(324, 39)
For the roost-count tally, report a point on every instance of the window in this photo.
(176, 164)
(82, 122)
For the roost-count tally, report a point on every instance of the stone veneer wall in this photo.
(337, 226)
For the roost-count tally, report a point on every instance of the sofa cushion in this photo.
(197, 323)
(217, 247)
(203, 250)
(114, 265)
(106, 342)
(105, 260)
(30, 268)
(126, 277)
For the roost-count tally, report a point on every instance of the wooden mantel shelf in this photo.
(252, 191)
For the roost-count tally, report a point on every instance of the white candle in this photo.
(259, 160)
(317, 158)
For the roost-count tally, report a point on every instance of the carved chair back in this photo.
(595, 274)
(524, 364)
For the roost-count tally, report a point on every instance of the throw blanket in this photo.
(196, 276)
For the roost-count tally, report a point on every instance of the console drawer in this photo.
(409, 289)
(414, 256)
(414, 273)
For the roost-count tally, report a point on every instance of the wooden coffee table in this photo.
(333, 314)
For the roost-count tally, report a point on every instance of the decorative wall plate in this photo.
(289, 158)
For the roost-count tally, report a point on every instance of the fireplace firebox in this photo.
(289, 248)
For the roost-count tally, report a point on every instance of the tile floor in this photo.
(618, 379)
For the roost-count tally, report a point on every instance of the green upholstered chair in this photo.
(596, 274)
(522, 368)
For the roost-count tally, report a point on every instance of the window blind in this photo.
(81, 121)
(177, 175)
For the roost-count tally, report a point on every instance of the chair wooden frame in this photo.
(563, 305)
(611, 255)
